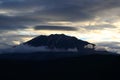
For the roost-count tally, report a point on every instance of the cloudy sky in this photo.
(96, 21)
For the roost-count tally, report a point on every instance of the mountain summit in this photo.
(60, 41)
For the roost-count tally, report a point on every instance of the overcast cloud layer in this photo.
(21, 20)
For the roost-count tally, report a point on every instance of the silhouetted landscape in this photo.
(60, 39)
(81, 63)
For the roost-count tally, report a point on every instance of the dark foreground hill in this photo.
(94, 66)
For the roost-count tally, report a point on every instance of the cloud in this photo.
(19, 13)
(31, 12)
(98, 27)
(29, 49)
(2, 28)
(61, 28)
(17, 20)
(68, 10)
(113, 45)
(110, 46)
(10, 39)
(24, 49)
(25, 14)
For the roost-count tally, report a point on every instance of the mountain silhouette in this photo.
(59, 41)
(93, 65)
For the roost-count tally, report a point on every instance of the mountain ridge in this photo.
(60, 41)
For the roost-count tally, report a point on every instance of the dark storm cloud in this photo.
(66, 28)
(11, 27)
(28, 12)
(17, 20)
(66, 10)
(11, 23)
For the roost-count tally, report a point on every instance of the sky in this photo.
(96, 21)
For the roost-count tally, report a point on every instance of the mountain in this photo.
(52, 47)
(97, 65)
(60, 42)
